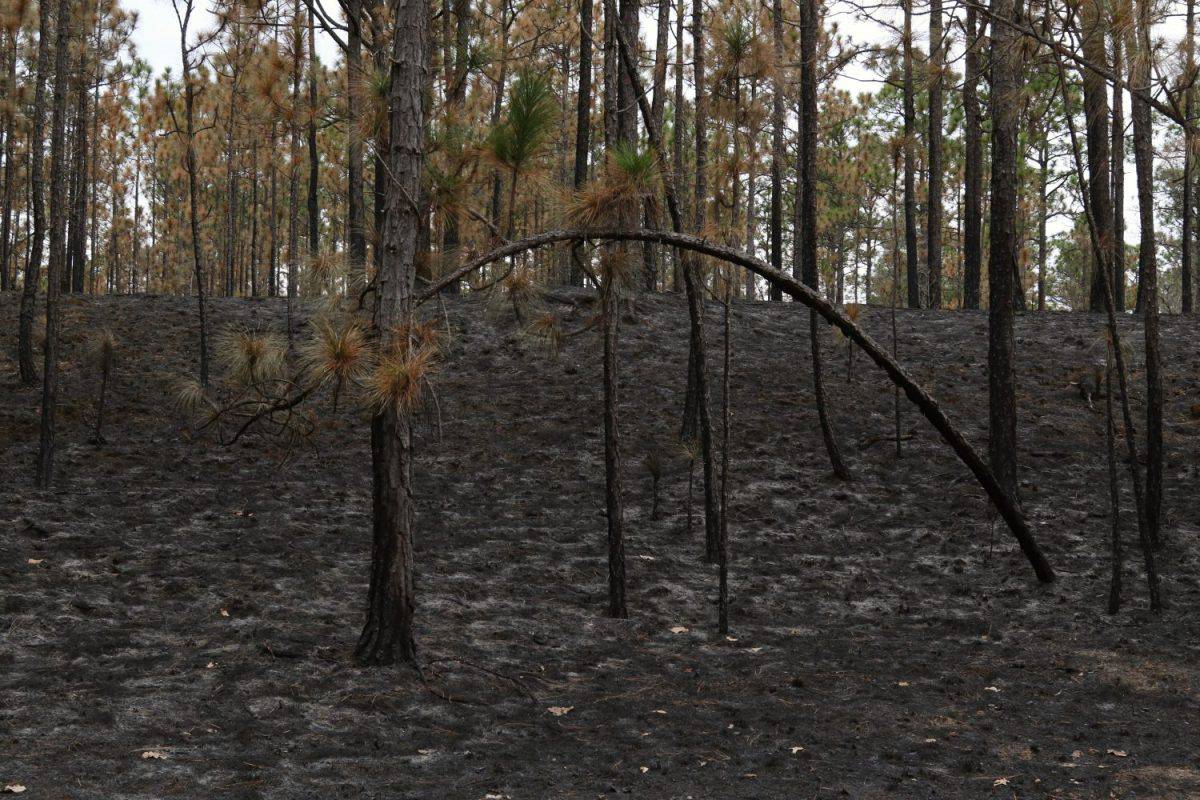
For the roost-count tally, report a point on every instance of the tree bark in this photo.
(1095, 106)
(973, 165)
(387, 635)
(1143, 152)
(910, 164)
(933, 230)
(808, 167)
(7, 278)
(314, 182)
(777, 127)
(1005, 111)
(612, 447)
(1117, 157)
(37, 191)
(1187, 204)
(189, 101)
(583, 123)
(58, 249)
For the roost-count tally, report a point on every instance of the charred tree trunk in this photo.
(58, 247)
(1005, 112)
(583, 124)
(37, 190)
(189, 108)
(777, 126)
(1189, 142)
(1143, 152)
(910, 164)
(808, 167)
(1117, 259)
(1095, 106)
(612, 445)
(314, 182)
(933, 231)
(356, 234)
(7, 278)
(973, 165)
(387, 635)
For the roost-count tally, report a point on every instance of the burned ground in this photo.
(172, 597)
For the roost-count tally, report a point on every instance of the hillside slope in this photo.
(175, 596)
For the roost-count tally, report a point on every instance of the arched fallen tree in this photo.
(928, 407)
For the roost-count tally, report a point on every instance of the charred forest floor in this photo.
(198, 603)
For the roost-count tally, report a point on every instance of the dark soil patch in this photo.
(199, 602)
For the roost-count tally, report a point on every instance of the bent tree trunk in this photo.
(928, 407)
(388, 632)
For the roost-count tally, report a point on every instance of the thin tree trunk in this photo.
(7, 278)
(1115, 339)
(973, 166)
(356, 234)
(1114, 487)
(910, 163)
(698, 369)
(612, 448)
(1189, 142)
(37, 190)
(583, 124)
(314, 184)
(808, 91)
(1118, 182)
(58, 251)
(777, 127)
(253, 260)
(1143, 151)
(1043, 212)
(189, 100)
(1095, 104)
(933, 231)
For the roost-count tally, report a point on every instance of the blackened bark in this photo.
(314, 184)
(1095, 105)
(933, 230)
(1117, 259)
(1188, 190)
(612, 446)
(583, 124)
(973, 165)
(1005, 112)
(387, 635)
(1143, 152)
(910, 164)
(6, 204)
(58, 248)
(37, 190)
(356, 234)
(777, 125)
(808, 168)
